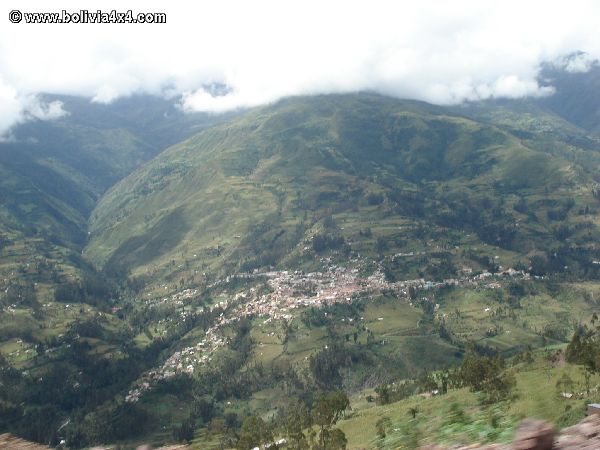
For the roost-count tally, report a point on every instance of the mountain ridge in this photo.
(340, 241)
(341, 148)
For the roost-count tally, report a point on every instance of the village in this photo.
(290, 291)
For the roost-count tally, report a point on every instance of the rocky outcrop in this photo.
(532, 434)
(583, 436)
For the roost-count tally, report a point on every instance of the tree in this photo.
(381, 244)
(21, 294)
(325, 365)
(427, 382)
(587, 375)
(486, 374)
(584, 348)
(383, 393)
(443, 378)
(204, 407)
(565, 384)
(328, 409)
(575, 350)
(254, 433)
(413, 411)
(185, 431)
(296, 419)
(335, 439)
(499, 387)
(288, 330)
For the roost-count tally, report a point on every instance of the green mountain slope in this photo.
(265, 259)
(356, 174)
(53, 173)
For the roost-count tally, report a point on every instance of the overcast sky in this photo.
(441, 52)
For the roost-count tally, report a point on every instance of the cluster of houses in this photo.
(175, 299)
(291, 290)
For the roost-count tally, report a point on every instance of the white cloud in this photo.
(441, 52)
(10, 107)
(579, 62)
(511, 86)
(15, 108)
(35, 108)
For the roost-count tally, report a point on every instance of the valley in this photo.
(170, 279)
(276, 309)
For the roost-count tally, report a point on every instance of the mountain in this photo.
(273, 186)
(181, 274)
(54, 172)
(347, 242)
(577, 93)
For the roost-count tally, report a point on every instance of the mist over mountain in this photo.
(175, 276)
(56, 170)
(576, 97)
(299, 225)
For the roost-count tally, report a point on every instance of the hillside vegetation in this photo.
(54, 172)
(361, 174)
(436, 229)
(239, 286)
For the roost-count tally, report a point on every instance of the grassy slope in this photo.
(411, 346)
(52, 174)
(54, 171)
(263, 185)
(252, 192)
(536, 396)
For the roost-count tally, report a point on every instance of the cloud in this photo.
(15, 108)
(512, 87)
(441, 52)
(35, 108)
(10, 107)
(578, 62)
